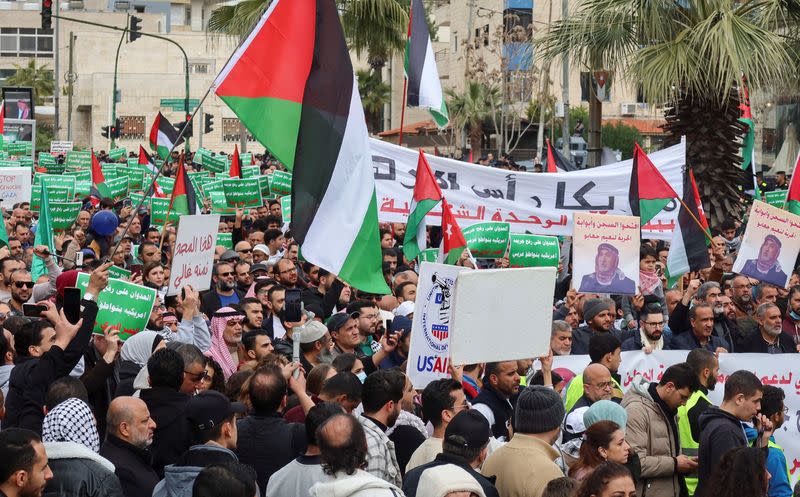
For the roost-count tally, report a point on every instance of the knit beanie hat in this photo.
(593, 307)
(539, 410)
(605, 410)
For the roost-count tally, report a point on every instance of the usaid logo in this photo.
(436, 313)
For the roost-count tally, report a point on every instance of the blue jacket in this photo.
(776, 465)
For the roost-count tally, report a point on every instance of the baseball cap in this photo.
(401, 324)
(210, 408)
(314, 330)
(258, 267)
(404, 309)
(339, 319)
(229, 255)
(468, 429)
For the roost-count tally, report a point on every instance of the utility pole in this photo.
(71, 83)
(565, 131)
(114, 93)
(242, 138)
(57, 77)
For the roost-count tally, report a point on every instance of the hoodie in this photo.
(779, 485)
(720, 432)
(359, 484)
(179, 477)
(5, 375)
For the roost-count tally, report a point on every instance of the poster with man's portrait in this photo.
(770, 245)
(605, 257)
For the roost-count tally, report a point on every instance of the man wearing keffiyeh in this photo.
(226, 336)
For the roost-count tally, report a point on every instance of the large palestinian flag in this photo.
(163, 136)
(292, 84)
(183, 199)
(424, 87)
(793, 196)
(99, 188)
(426, 195)
(649, 191)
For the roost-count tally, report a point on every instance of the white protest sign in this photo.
(193, 253)
(537, 203)
(15, 185)
(429, 352)
(60, 147)
(770, 244)
(606, 254)
(502, 314)
(779, 370)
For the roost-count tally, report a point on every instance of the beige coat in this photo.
(523, 466)
(649, 435)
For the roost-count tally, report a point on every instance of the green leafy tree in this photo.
(620, 136)
(471, 109)
(374, 95)
(37, 77)
(689, 55)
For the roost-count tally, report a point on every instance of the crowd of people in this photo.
(210, 399)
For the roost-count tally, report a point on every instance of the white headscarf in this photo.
(139, 347)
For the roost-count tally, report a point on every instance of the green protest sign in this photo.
(83, 188)
(55, 194)
(776, 198)
(213, 185)
(286, 209)
(246, 159)
(64, 214)
(250, 171)
(10, 163)
(215, 163)
(26, 161)
(242, 192)
(117, 188)
(121, 304)
(119, 273)
(225, 240)
(85, 175)
(198, 174)
(117, 153)
(78, 159)
(219, 205)
(487, 240)
(533, 251)
(20, 148)
(281, 183)
(166, 184)
(429, 255)
(158, 211)
(136, 198)
(200, 154)
(109, 171)
(50, 164)
(133, 162)
(263, 184)
(135, 176)
(54, 180)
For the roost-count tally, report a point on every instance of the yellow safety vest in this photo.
(689, 446)
(575, 391)
(773, 445)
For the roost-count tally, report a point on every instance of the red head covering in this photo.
(64, 280)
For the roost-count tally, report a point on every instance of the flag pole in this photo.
(702, 228)
(405, 75)
(403, 111)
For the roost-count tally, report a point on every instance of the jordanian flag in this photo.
(163, 136)
(453, 242)
(99, 188)
(649, 191)
(426, 195)
(424, 87)
(688, 250)
(793, 196)
(292, 84)
(749, 143)
(183, 199)
(236, 164)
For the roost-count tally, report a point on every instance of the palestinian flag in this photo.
(44, 234)
(556, 162)
(183, 199)
(426, 195)
(749, 142)
(424, 87)
(291, 82)
(649, 191)
(99, 188)
(453, 242)
(236, 164)
(793, 196)
(146, 161)
(163, 136)
(688, 250)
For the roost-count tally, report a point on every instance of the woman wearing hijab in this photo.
(133, 357)
(226, 336)
(71, 441)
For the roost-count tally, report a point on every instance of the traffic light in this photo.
(117, 129)
(106, 131)
(134, 29)
(47, 14)
(209, 123)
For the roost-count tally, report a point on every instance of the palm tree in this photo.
(374, 95)
(690, 55)
(376, 28)
(37, 77)
(471, 109)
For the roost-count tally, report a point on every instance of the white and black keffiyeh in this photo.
(71, 421)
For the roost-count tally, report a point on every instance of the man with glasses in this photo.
(597, 385)
(245, 251)
(651, 331)
(21, 290)
(368, 325)
(224, 293)
(441, 401)
(285, 273)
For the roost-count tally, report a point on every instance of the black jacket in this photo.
(720, 432)
(756, 344)
(500, 407)
(687, 341)
(211, 303)
(635, 343)
(79, 472)
(581, 336)
(131, 465)
(127, 372)
(171, 437)
(100, 380)
(411, 480)
(268, 443)
(31, 376)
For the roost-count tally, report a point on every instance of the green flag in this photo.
(44, 236)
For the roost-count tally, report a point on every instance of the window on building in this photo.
(26, 42)
(201, 67)
(133, 127)
(230, 130)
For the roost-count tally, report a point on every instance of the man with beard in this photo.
(607, 277)
(130, 433)
(21, 290)
(599, 317)
(770, 339)
(326, 292)
(766, 267)
(706, 366)
(791, 323)
(500, 382)
(224, 292)
(651, 331)
(243, 276)
(25, 470)
(381, 397)
(254, 314)
(192, 328)
(561, 338)
(315, 345)
(708, 293)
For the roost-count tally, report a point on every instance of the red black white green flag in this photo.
(183, 199)
(426, 195)
(163, 136)
(649, 191)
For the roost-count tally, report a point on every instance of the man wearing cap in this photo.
(344, 331)
(607, 277)
(526, 464)
(224, 292)
(258, 270)
(212, 418)
(315, 345)
(599, 321)
(261, 254)
(465, 447)
(766, 267)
